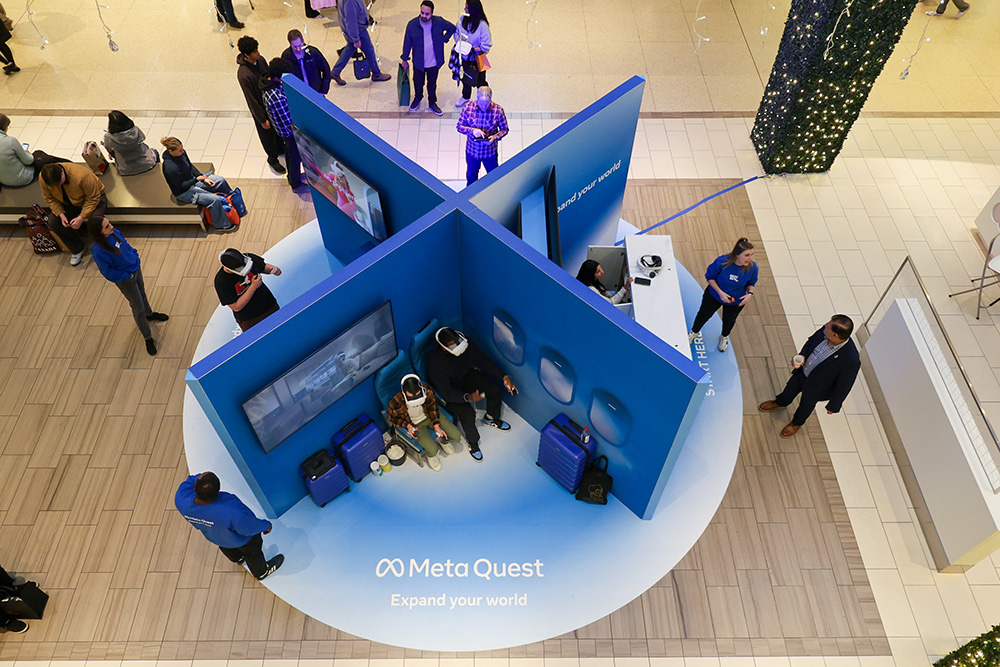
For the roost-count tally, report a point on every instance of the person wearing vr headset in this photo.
(239, 286)
(458, 369)
(731, 282)
(590, 274)
(415, 408)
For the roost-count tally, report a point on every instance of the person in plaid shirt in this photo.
(485, 123)
(415, 409)
(276, 105)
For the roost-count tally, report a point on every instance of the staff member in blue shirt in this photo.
(731, 280)
(119, 263)
(226, 522)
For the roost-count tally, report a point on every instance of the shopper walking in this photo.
(224, 13)
(731, 283)
(828, 368)
(74, 195)
(963, 7)
(119, 263)
(281, 118)
(6, 55)
(353, 15)
(226, 522)
(472, 39)
(252, 67)
(126, 145)
(190, 186)
(425, 36)
(17, 166)
(307, 62)
(485, 124)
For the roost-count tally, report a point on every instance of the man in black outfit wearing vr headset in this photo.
(457, 370)
(239, 286)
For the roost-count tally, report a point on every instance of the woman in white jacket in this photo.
(474, 28)
(590, 274)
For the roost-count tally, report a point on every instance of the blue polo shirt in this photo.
(227, 522)
(732, 279)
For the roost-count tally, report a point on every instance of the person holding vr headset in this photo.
(590, 274)
(731, 282)
(239, 286)
(415, 408)
(461, 373)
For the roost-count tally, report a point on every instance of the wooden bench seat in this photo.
(141, 198)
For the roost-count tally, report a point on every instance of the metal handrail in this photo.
(947, 340)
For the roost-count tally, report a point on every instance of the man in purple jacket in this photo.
(226, 522)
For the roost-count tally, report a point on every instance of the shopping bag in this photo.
(596, 482)
(403, 86)
(34, 223)
(482, 62)
(94, 158)
(362, 68)
(235, 199)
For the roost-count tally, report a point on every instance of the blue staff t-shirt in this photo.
(732, 279)
(227, 522)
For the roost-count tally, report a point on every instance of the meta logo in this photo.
(483, 568)
(385, 566)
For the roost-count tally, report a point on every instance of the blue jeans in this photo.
(472, 166)
(202, 194)
(366, 48)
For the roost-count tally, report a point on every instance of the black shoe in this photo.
(276, 166)
(272, 565)
(496, 423)
(435, 109)
(384, 76)
(17, 626)
(336, 77)
(314, 15)
(236, 25)
(157, 317)
(11, 68)
(415, 104)
(475, 453)
(151, 346)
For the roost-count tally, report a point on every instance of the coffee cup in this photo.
(798, 360)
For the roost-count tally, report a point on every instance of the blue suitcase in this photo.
(561, 453)
(324, 477)
(357, 445)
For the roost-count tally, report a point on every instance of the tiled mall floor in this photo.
(903, 186)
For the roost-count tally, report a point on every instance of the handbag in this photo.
(34, 222)
(482, 62)
(94, 158)
(595, 483)
(235, 199)
(403, 86)
(24, 601)
(322, 4)
(463, 47)
(362, 68)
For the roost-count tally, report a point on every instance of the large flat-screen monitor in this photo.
(537, 220)
(345, 189)
(322, 378)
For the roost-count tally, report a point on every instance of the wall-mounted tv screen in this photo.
(314, 384)
(345, 189)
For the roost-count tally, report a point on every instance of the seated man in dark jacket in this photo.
(193, 187)
(457, 370)
(829, 367)
(307, 63)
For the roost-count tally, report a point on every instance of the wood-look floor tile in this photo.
(109, 538)
(116, 617)
(70, 552)
(219, 615)
(150, 622)
(133, 562)
(85, 612)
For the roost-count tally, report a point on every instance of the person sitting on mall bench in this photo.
(74, 194)
(193, 187)
(415, 408)
(17, 166)
(458, 369)
(126, 145)
(590, 274)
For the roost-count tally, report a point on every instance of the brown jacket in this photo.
(83, 189)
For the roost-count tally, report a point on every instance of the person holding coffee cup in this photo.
(731, 282)
(825, 370)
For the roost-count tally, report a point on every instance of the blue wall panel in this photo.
(406, 189)
(589, 340)
(591, 153)
(399, 271)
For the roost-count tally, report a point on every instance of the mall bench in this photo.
(143, 198)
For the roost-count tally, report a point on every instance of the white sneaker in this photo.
(448, 448)
(723, 343)
(932, 13)
(692, 335)
(961, 14)
(461, 102)
(76, 259)
(434, 463)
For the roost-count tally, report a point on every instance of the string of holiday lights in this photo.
(983, 651)
(818, 85)
(531, 20)
(107, 31)
(909, 59)
(694, 27)
(31, 20)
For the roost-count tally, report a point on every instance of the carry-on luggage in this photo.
(562, 452)
(324, 477)
(357, 445)
(24, 601)
(35, 223)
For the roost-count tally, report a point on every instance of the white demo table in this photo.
(658, 306)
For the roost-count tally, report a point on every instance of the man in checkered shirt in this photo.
(484, 123)
(276, 105)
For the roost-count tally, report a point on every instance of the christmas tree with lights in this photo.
(830, 55)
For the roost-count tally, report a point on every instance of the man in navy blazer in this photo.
(427, 57)
(307, 62)
(827, 374)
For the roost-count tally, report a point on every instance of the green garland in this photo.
(983, 651)
(830, 55)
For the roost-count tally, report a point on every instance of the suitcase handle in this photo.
(353, 432)
(573, 439)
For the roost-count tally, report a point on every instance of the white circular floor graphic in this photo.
(478, 556)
